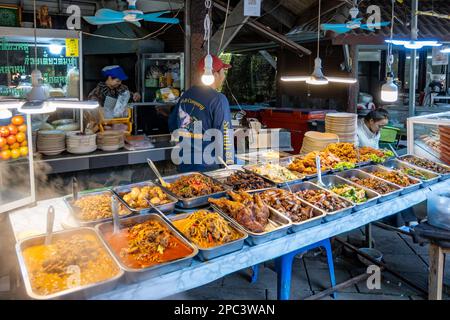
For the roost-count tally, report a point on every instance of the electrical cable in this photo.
(224, 26)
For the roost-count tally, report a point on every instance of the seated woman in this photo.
(369, 128)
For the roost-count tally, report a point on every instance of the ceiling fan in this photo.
(352, 24)
(131, 15)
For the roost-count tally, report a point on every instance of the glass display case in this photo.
(429, 136)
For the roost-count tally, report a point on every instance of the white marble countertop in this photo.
(199, 273)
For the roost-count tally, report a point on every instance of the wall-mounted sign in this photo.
(439, 58)
(252, 8)
(10, 15)
(72, 47)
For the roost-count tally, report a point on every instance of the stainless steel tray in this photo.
(82, 292)
(405, 190)
(306, 224)
(397, 164)
(168, 208)
(205, 254)
(357, 173)
(442, 176)
(189, 203)
(281, 221)
(372, 196)
(222, 175)
(279, 184)
(135, 275)
(74, 209)
(330, 216)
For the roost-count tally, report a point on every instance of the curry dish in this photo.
(146, 244)
(207, 229)
(194, 185)
(52, 268)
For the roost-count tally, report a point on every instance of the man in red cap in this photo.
(202, 108)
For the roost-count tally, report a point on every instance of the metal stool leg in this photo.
(284, 275)
(255, 273)
(327, 245)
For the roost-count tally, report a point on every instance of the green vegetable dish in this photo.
(354, 194)
(416, 173)
(344, 166)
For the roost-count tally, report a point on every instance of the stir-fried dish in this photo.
(354, 194)
(323, 199)
(146, 244)
(276, 172)
(194, 185)
(248, 210)
(307, 164)
(288, 204)
(344, 151)
(395, 176)
(139, 197)
(53, 268)
(244, 181)
(416, 173)
(207, 229)
(374, 184)
(427, 164)
(96, 207)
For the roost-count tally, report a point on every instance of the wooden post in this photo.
(197, 14)
(436, 273)
(353, 89)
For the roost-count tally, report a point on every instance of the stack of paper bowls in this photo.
(317, 141)
(110, 140)
(343, 124)
(79, 143)
(444, 134)
(50, 142)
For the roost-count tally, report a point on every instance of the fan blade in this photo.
(338, 28)
(101, 21)
(136, 23)
(372, 26)
(341, 79)
(109, 14)
(294, 78)
(155, 17)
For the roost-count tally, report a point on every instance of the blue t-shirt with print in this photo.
(202, 108)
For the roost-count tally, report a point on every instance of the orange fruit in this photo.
(2, 142)
(24, 144)
(4, 132)
(5, 147)
(23, 151)
(11, 140)
(12, 129)
(17, 120)
(15, 153)
(6, 154)
(21, 137)
(23, 128)
(15, 146)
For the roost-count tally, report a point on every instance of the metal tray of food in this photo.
(429, 176)
(222, 175)
(372, 196)
(78, 293)
(357, 173)
(443, 176)
(306, 224)
(280, 222)
(287, 161)
(205, 254)
(278, 184)
(167, 208)
(190, 203)
(135, 274)
(73, 209)
(405, 190)
(330, 216)
(363, 163)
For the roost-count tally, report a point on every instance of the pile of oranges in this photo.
(13, 139)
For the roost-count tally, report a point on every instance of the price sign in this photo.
(72, 47)
(252, 8)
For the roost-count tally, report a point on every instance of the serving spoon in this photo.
(223, 162)
(115, 214)
(75, 189)
(319, 172)
(50, 223)
(158, 175)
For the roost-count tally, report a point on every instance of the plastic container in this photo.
(389, 134)
(438, 209)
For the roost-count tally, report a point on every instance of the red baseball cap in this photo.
(218, 64)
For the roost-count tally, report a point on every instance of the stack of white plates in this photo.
(51, 142)
(110, 140)
(81, 143)
(317, 141)
(343, 124)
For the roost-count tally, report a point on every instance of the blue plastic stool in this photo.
(283, 266)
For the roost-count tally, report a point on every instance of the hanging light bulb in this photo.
(208, 76)
(55, 48)
(389, 90)
(317, 77)
(414, 44)
(446, 49)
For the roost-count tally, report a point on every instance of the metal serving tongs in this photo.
(50, 223)
(158, 175)
(115, 214)
(75, 189)
(319, 172)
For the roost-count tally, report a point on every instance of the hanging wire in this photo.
(390, 56)
(224, 27)
(207, 23)
(318, 30)
(35, 37)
